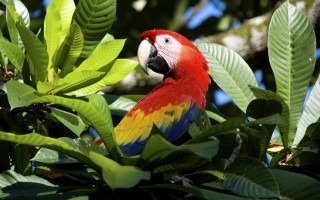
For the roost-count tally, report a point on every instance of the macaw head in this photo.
(165, 51)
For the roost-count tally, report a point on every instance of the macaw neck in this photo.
(190, 75)
(194, 84)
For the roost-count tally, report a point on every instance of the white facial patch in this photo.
(168, 48)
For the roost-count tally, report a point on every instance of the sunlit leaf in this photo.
(230, 72)
(77, 79)
(56, 25)
(71, 49)
(117, 176)
(95, 19)
(102, 55)
(310, 112)
(19, 93)
(291, 48)
(21, 14)
(13, 52)
(119, 105)
(94, 111)
(120, 69)
(36, 52)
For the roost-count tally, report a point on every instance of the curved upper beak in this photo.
(146, 50)
(148, 57)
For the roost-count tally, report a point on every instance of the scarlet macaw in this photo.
(174, 104)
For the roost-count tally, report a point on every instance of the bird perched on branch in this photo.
(174, 104)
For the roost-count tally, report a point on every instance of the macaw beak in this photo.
(148, 57)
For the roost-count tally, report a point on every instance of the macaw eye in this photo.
(167, 40)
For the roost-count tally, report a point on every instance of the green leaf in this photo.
(310, 112)
(163, 155)
(249, 178)
(73, 44)
(70, 120)
(94, 111)
(95, 19)
(77, 79)
(265, 94)
(16, 13)
(38, 140)
(14, 185)
(19, 94)
(44, 87)
(295, 185)
(36, 52)
(102, 107)
(102, 55)
(201, 123)
(117, 176)
(13, 52)
(215, 116)
(291, 48)
(230, 72)
(119, 105)
(56, 25)
(49, 156)
(230, 125)
(120, 69)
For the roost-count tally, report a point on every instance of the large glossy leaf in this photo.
(230, 125)
(95, 112)
(291, 48)
(13, 52)
(20, 14)
(77, 79)
(102, 55)
(14, 185)
(120, 69)
(36, 52)
(166, 157)
(49, 156)
(56, 25)
(73, 45)
(249, 178)
(38, 140)
(311, 112)
(230, 72)
(118, 176)
(119, 105)
(19, 94)
(95, 19)
(296, 186)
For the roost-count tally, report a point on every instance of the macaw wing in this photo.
(173, 120)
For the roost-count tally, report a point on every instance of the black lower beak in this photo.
(156, 62)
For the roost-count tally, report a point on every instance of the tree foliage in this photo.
(54, 100)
